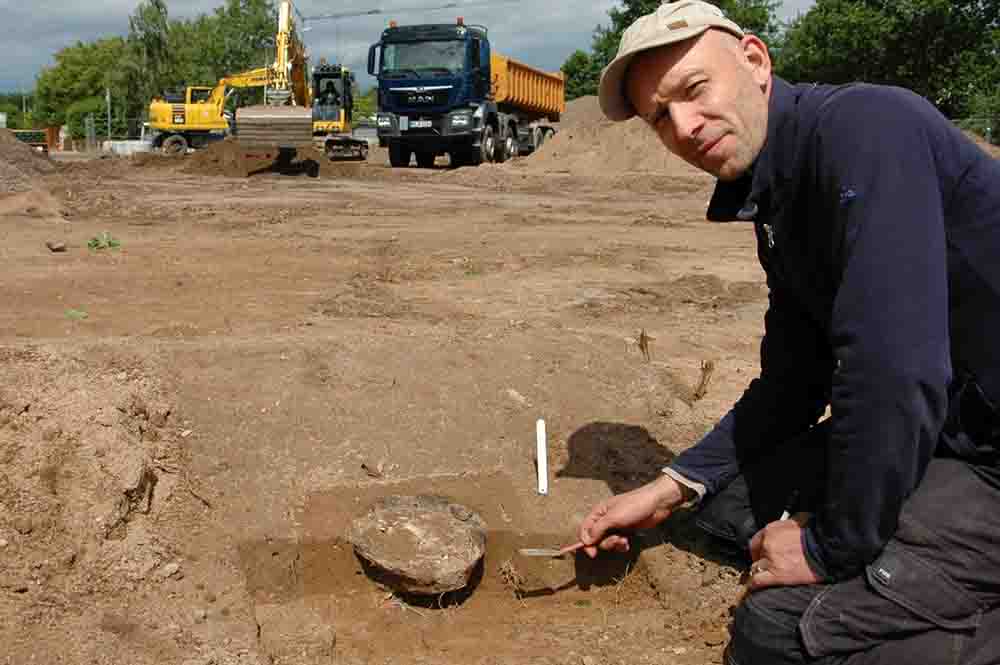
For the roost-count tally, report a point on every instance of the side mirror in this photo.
(371, 60)
(474, 55)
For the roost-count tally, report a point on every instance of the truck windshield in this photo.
(417, 59)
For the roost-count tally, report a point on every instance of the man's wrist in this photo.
(689, 491)
(671, 493)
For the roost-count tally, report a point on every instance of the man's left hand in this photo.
(779, 558)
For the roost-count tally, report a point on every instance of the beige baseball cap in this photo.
(672, 22)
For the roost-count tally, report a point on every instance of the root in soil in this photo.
(512, 578)
(707, 372)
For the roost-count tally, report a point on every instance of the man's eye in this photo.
(696, 88)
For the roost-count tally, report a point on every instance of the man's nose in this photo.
(687, 123)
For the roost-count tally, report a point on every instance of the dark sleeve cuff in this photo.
(813, 556)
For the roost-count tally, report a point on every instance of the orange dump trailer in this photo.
(532, 91)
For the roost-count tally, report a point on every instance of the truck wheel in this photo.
(425, 160)
(488, 147)
(512, 147)
(399, 156)
(537, 138)
(174, 145)
(363, 152)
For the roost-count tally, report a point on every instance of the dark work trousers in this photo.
(932, 597)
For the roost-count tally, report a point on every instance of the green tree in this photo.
(13, 114)
(945, 50)
(81, 71)
(365, 105)
(159, 53)
(583, 70)
(241, 36)
(151, 62)
(77, 112)
(582, 73)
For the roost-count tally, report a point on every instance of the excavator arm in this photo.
(286, 121)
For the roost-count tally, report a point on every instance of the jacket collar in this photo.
(740, 200)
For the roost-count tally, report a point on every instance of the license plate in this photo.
(420, 123)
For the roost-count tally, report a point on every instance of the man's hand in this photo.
(641, 508)
(779, 558)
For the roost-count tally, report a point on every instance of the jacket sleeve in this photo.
(788, 397)
(875, 168)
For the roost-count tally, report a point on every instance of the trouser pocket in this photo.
(899, 595)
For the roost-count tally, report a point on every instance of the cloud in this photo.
(32, 32)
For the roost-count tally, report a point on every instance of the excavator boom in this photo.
(286, 121)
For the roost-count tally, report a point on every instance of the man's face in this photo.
(707, 99)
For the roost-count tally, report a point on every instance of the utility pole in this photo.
(108, 99)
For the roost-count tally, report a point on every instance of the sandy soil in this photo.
(218, 374)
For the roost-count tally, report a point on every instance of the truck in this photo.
(442, 90)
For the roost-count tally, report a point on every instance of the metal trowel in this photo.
(550, 552)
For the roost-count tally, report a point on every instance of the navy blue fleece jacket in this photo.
(878, 225)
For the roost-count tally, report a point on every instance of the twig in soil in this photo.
(394, 600)
(186, 479)
(644, 340)
(190, 488)
(372, 473)
(707, 371)
(512, 579)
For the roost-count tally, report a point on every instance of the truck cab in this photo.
(436, 96)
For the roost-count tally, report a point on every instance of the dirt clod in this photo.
(24, 525)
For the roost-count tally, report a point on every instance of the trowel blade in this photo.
(551, 553)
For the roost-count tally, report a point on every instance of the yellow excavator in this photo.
(274, 131)
(196, 116)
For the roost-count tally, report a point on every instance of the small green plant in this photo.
(103, 241)
(76, 314)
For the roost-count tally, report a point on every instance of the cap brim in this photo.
(611, 89)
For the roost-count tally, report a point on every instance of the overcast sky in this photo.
(32, 31)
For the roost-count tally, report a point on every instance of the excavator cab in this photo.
(333, 104)
(199, 95)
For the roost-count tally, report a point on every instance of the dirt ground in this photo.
(218, 374)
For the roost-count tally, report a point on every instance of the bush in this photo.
(985, 108)
(77, 113)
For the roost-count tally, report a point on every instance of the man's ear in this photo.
(759, 59)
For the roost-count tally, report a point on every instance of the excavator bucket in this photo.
(283, 127)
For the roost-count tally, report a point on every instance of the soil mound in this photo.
(211, 160)
(20, 164)
(35, 203)
(220, 159)
(582, 111)
(590, 145)
(90, 463)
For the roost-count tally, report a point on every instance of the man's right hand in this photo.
(641, 508)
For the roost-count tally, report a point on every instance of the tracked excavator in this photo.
(276, 130)
(290, 120)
